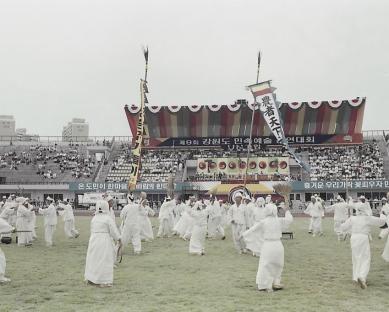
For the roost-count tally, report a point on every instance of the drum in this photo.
(6, 240)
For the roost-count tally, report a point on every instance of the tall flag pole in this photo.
(252, 123)
(264, 96)
(137, 150)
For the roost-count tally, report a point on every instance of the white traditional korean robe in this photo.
(50, 222)
(199, 231)
(315, 210)
(165, 219)
(32, 222)
(68, 219)
(359, 226)
(184, 226)
(253, 236)
(341, 214)
(4, 228)
(385, 254)
(100, 257)
(271, 262)
(146, 229)
(385, 211)
(23, 217)
(9, 212)
(237, 218)
(214, 220)
(132, 227)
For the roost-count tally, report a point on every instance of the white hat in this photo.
(108, 198)
(362, 197)
(49, 198)
(4, 196)
(384, 198)
(102, 206)
(238, 194)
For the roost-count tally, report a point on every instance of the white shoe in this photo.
(4, 280)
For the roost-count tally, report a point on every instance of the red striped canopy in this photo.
(299, 118)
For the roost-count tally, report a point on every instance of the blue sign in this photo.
(355, 185)
(95, 186)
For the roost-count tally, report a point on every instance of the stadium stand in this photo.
(46, 163)
(346, 162)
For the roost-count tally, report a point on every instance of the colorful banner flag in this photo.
(265, 98)
(137, 150)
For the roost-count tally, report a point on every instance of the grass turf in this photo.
(317, 277)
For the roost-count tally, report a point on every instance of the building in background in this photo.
(22, 135)
(7, 127)
(76, 130)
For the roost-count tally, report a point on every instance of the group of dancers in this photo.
(256, 227)
(18, 215)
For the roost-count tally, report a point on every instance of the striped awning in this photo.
(299, 118)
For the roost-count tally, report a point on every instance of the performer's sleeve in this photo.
(4, 226)
(113, 230)
(346, 226)
(287, 220)
(375, 221)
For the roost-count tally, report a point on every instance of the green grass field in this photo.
(317, 277)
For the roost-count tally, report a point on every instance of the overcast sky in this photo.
(78, 58)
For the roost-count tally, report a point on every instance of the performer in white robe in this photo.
(178, 209)
(100, 256)
(359, 226)
(23, 227)
(363, 204)
(316, 211)
(249, 214)
(9, 212)
(385, 211)
(50, 220)
(271, 262)
(307, 211)
(166, 218)
(253, 236)
(199, 214)
(32, 222)
(184, 226)
(224, 211)
(111, 202)
(385, 253)
(5, 229)
(215, 228)
(238, 222)
(341, 214)
(123, 212)
(146, 229)
(132, 226)
(2, 203)
(68, 219)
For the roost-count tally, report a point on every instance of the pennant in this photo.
(136, 152)
(265, 98)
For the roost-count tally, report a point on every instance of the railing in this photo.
(374, 134)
